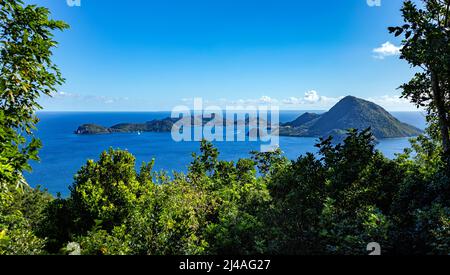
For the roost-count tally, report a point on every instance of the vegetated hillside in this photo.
(355, 113)
(302, 120)
(350, 113)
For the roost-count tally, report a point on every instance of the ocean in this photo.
(64, 153)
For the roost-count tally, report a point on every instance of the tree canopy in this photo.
(334, 202)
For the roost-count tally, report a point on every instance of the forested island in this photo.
(348, 113)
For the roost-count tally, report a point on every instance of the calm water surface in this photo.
(64, 152)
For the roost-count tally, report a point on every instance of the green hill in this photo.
(350, 113)
(302, 120)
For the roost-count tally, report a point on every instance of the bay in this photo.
(64, 153)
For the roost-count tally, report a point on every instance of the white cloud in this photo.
(292, 101)
(310, 100)
(61, 96)
(264, 100)
(386, 50)
(311, 97)
(267, 100)
(393, 102)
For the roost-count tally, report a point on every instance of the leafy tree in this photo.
(101, 242)
(242, 198)
(424, 186)
(26, 72)
(182, 216)
(238, 197)
(335, 203)
(424, 193)
(57, 224)
(20, 212)
(426, 45)
(105, 191)
(298, 195)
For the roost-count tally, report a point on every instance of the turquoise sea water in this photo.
(64, 152)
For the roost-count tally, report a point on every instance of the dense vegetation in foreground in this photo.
(335, 202)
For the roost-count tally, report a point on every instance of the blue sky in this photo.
(146, 55)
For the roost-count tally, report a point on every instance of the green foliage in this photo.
(100, 242)
(105, 190)
(27, 72)
(349, 233)
(20, 212)
(333, 205)
(426, 46)
(212, 210)
(180, 223)
(57, 225)
(20, 240)
(433, 227)
(298, 193)
(335, 202)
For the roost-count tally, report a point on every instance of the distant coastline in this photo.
(56, 129)
(349, 113)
